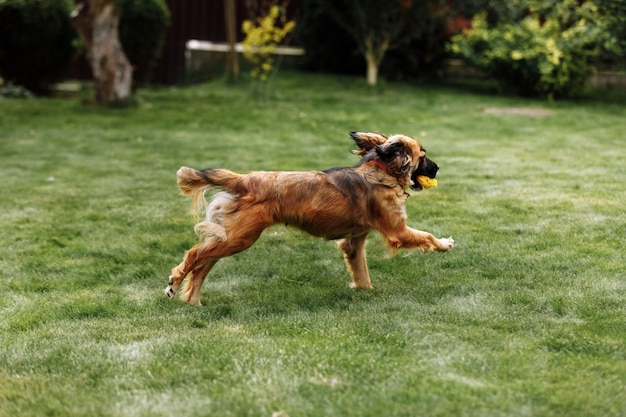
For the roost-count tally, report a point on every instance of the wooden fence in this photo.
(190, 19)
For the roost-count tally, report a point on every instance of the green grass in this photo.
(525, 317)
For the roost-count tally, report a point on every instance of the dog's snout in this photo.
(428, 167)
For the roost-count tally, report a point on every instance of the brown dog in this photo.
(339, 203)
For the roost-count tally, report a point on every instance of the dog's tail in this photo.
(194, 183)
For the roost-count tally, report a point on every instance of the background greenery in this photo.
(546, 48)
(518, 42)
(142, 30)
(417, 52)
(37, 42)
(524, 317)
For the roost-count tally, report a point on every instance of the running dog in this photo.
(342, 204)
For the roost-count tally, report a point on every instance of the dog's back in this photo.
(300, 199)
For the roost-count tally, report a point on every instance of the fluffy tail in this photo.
(194, 183)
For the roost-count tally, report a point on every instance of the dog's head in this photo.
(401, 155)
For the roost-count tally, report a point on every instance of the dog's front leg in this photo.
(354, 255)
(410, 238)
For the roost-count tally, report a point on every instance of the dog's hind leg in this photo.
(242, 231)
(354, 255)
(197, 266)
(180, 271)
(191, 291)
(212, 229)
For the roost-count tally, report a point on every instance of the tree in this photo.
(378, 26)
(97, 23)
(232, 60)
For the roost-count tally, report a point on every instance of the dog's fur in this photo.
(339, 203)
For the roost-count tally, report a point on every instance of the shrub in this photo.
(262, 37)
(37, 42)
(548, 50)
(142, 28)
(614, 12)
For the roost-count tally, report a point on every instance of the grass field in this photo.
(525, 317)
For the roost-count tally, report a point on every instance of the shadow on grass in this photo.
(325, 290)
(283, 298)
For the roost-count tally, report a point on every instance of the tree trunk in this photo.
(232, 60)
(372, 68)
(97, 23)
(374, 54)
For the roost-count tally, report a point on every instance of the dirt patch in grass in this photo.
(520, 111)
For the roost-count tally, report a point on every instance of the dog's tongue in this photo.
(426, 182)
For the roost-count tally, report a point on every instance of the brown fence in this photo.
(190, 19)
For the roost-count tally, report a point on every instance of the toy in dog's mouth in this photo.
(426, 182)
(424, 175)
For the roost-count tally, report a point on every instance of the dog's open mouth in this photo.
(427, 170)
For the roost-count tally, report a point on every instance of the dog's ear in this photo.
(396, 157)
(367, 141)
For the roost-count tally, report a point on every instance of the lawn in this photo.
(524, 317)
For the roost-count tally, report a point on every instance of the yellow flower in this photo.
(246, 26)
(554, 53)
(262, 37)
(274, 12)
(516, 55)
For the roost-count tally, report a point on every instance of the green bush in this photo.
(36, 42)
(548, 50)
(142, 28)
(614, 12)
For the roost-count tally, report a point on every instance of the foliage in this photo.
(547, 50)
(142, 28)
(614, 12)
(377, 27)
(36, 42)
(419, 57)
(497, 10)
(262, 38)
(328, 32)
(328, 48)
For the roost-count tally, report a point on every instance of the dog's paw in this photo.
(447, 243)
(366, 286)
(169, 291)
